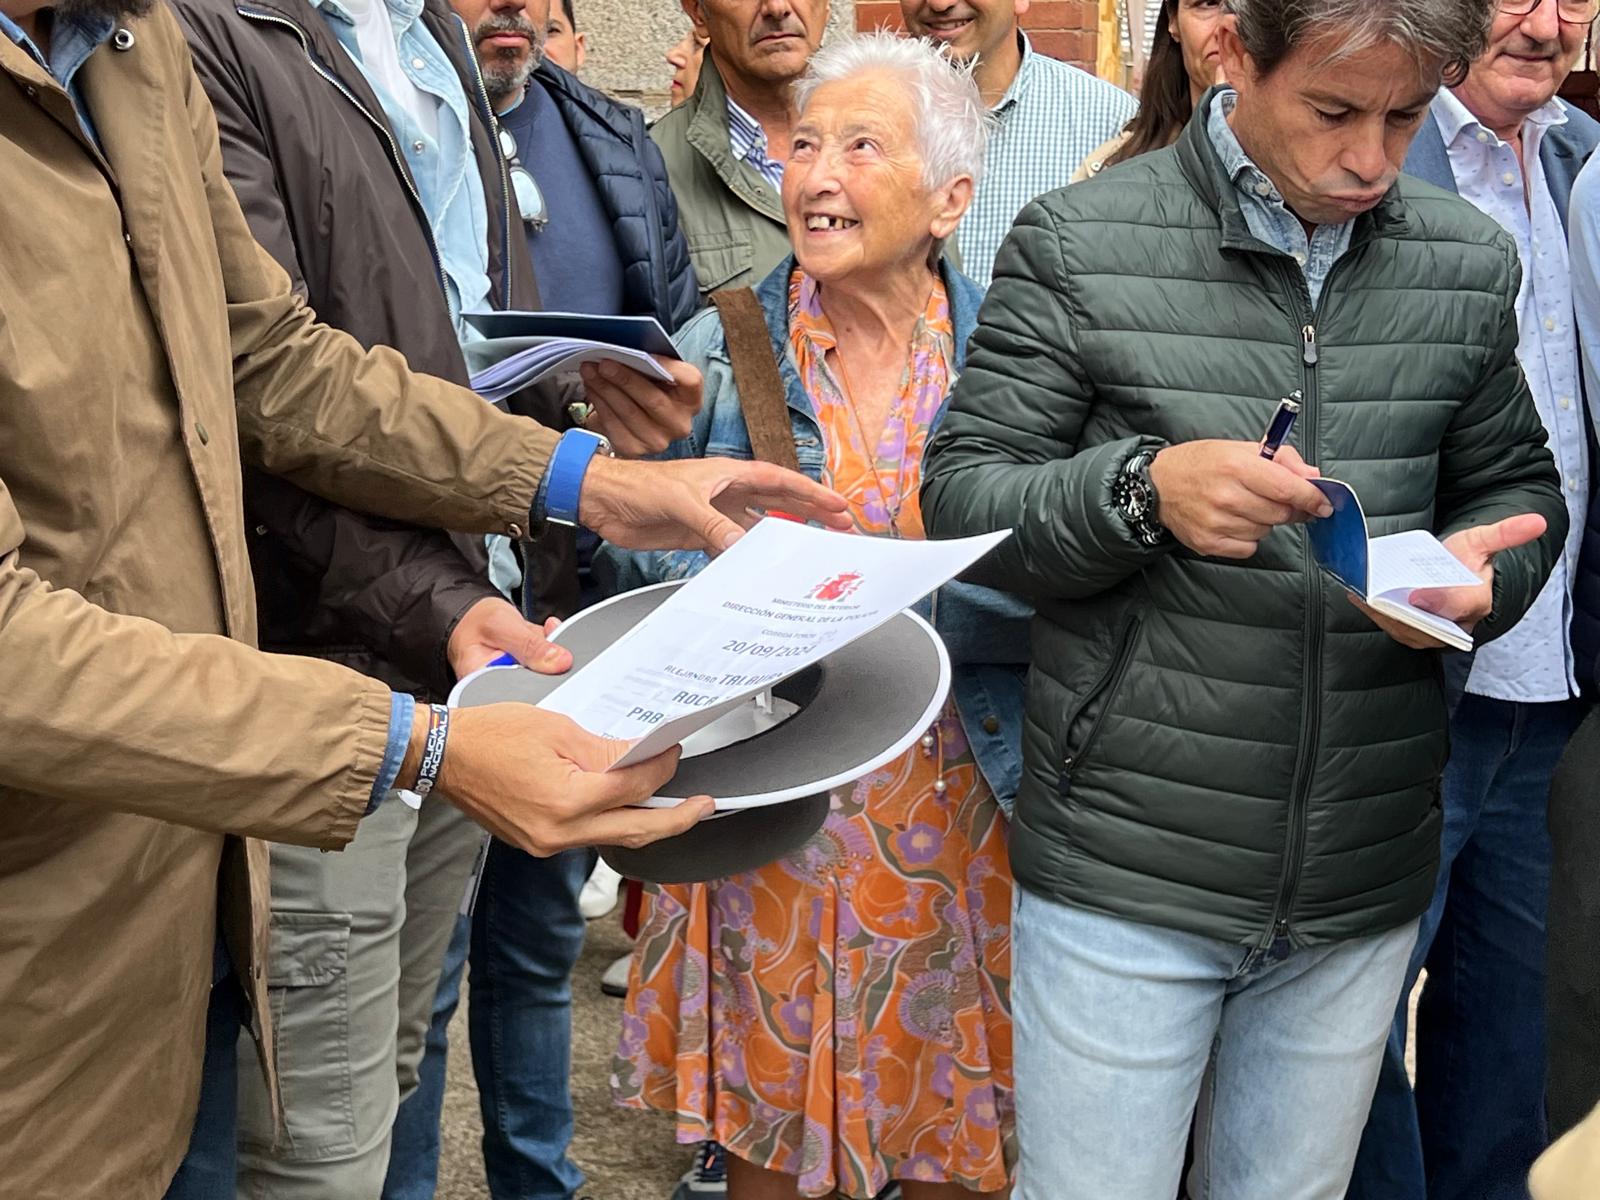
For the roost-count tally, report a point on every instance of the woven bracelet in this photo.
(432, 749)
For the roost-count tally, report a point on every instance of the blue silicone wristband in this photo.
(564, 476)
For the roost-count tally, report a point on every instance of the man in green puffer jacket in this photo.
(1229, 821)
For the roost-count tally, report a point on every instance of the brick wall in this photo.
(1064, 29)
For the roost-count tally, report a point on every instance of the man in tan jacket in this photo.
(146, 344)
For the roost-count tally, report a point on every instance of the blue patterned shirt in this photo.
(1265, 212)
(748, 141)
(1533, 662)
(1051, 118)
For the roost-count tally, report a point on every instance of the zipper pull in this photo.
(1308, 345)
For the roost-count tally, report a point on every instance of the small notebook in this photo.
(1384, 571)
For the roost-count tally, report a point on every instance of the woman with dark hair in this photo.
(1184, 62)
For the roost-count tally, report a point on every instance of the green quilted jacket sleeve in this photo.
(1494, 463)
(1009, 453)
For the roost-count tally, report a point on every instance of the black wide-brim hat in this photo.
(858, 709)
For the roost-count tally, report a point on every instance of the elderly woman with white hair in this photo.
(841, 1018)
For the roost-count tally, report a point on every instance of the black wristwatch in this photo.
(1138, 502)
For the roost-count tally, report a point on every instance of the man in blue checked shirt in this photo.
(1048, 115)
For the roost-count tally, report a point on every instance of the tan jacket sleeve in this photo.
(119, 712)
(354, 426)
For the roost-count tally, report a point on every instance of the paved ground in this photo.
(626, 1155)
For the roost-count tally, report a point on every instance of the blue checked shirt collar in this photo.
(1023, 77)
(1265, 212)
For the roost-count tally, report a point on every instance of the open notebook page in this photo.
(1402, 562)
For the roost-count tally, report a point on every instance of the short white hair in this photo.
(952, 121)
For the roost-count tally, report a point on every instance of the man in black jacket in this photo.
(602, 230)
(360, 141)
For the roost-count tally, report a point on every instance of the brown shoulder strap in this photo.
(755, 370)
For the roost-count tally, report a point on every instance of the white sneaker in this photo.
(599, 895)
(615, 980)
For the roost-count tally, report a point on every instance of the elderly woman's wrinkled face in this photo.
(854, 194)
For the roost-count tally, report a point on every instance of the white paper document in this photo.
(784, 597)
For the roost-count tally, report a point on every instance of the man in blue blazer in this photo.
(1505, 143)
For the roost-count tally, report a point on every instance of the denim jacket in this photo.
(986, 632)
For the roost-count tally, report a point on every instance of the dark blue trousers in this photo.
(1476, 1120)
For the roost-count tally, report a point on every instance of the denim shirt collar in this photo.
(1248, 178)
(72, 40)
(773, 295)
(403, 13)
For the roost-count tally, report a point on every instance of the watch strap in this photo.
(1138, 502)
(563, 481)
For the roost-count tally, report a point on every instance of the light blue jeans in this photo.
(1125, 1033)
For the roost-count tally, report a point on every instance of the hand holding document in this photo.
(519, 348)
(1383, 572)
(783, 598)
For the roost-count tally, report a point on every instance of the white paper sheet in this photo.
(1402, 562)
(784, 597)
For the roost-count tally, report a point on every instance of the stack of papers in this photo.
(519, 349)
(784, 597)
(1385, 571)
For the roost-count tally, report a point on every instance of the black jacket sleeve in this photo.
(683, 289)
(1009, 456)
(396, 590)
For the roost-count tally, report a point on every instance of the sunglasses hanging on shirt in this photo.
(530, 200)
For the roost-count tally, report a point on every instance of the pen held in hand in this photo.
(1278, 428)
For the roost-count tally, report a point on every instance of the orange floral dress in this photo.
(843, 1015)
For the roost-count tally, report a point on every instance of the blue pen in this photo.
(504, 660)
(1278, 428)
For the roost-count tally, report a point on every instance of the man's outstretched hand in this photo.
(1466, 606)
(696, 504)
